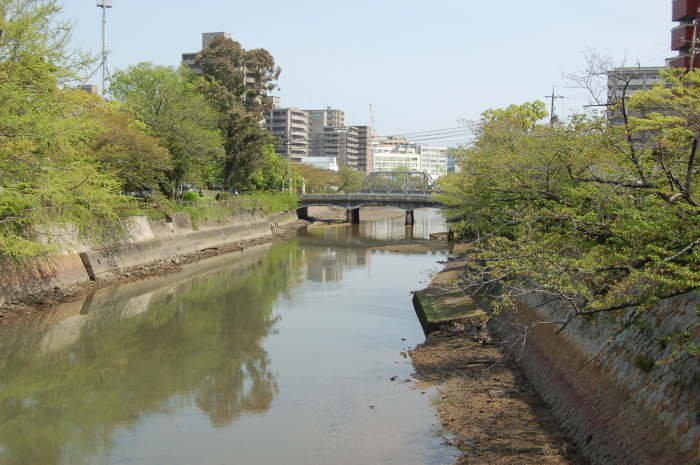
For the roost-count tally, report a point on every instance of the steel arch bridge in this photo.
(405, 182)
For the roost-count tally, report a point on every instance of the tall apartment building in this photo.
(686, 13)
(320, 137)
(365, 158)
(329, 116)
(329, 136)
(335, 141)
(292, 127)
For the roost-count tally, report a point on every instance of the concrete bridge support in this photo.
(352, 215)
(409, 218)
(303, 213)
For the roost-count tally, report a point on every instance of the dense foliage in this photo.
(600, 217)
(236, 82)
(46, 168)
(67, 157)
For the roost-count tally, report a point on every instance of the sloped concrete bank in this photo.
(609, 384)
(619, 390)
(149, 241)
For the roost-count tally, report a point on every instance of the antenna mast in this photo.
(104, 4)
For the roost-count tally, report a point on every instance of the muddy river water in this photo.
(283, 354)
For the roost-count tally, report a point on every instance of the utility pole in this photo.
(692, 45)
(104, 4)
(551, 114)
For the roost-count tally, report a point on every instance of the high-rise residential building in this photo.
(89, 88)
(329, 116)
(321, 139)
(687, 14)
(335, 141)
(329, 137)
(364, 149)
(291, 126)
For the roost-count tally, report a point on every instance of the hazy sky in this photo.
(421, 64)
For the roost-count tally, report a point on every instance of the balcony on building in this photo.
(684, 9)
(682, 61)
(682, 36)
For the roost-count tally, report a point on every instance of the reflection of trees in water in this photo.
(241, 381)
(200, 339)
(237, 388)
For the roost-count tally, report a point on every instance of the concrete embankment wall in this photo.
(149, 240)
(597, 375)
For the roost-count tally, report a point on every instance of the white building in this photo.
(630, 80)
(326, 163)
(389, 155)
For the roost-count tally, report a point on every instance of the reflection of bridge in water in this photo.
(352, 237)
(353, 202)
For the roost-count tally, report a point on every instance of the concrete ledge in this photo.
(434, 309)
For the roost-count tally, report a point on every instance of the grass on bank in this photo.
(34, 232)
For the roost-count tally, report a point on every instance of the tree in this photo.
(273, 172)
(122, 145)
(318, 180)
(46, 172)
(167, 101)
(349, 180)
(236, 81)
(579, 212)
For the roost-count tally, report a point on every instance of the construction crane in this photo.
(371, 114)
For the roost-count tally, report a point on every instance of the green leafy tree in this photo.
(123, 146)
(583, 212)
(317, 180)
(236, 81)
(349, 180)
(46, 172)
(273, 172)
(167, 101)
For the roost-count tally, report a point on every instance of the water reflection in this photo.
(131, 362)
(141, 348)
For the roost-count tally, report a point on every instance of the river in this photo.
(286, 354)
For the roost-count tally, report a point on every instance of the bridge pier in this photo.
(409, 218)
(303, 213)
(352, 215)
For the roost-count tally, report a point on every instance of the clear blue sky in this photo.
(422, 65)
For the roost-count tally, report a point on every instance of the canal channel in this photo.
(290, 353)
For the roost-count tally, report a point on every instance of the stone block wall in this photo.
(609, 384)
